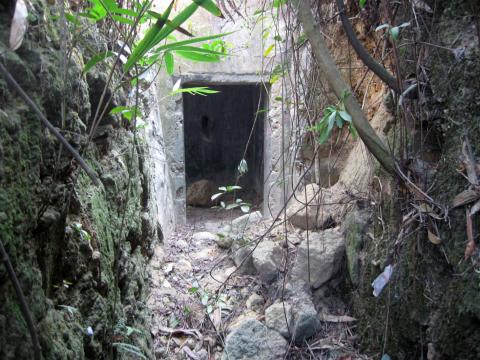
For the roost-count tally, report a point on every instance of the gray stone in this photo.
(224, 241)
(240, 224)
(317, 208)
(267, 259)
(305, 319)
(205, 236)
(252, 340)
(324, 255)
(300, 214)
(239, 254)
(279, 317)
(200, 192)
(254, 301)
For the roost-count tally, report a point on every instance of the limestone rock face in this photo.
(325, 257)
(317, 208)
(200, 193)
(252, 340)
(267, 260)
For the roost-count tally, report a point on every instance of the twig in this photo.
(23, 303)
(11, 80)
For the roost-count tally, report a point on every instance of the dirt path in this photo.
(194, 309)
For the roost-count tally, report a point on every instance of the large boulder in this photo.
(317, 208)
(267, 260)
(323, 253)
(252, 340)
(200, 192)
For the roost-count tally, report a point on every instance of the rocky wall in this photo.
(79, 250)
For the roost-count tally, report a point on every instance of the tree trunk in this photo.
(368, 135)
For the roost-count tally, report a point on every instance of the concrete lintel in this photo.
(221, 78)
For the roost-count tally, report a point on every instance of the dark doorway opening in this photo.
(219, 130)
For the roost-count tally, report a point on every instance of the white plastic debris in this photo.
(382, 280)
(89, 331)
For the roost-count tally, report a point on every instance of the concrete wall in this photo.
(246, 65)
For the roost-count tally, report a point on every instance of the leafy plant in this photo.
(394, 31)
(77, 227)
(334, 115)
(244, 206)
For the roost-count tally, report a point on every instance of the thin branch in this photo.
(11, 80)
(23, 303)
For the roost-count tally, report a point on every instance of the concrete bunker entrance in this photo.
(220, 130)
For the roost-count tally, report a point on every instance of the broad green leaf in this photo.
(394, 32)
(169, 62)
(362, 3)
(222, 188)
(345, 116)
(210, 6)
(233, 188)
(148, 40)
(96, 59)
(331, 120)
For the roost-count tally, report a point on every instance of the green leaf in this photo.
(222, 188)
(331, 120)
(202, 90)
(232, 206)
(233, 188)
(175, 45)
(383, 26)
(96, 59)
(245, 208)
(278, 3)
(210, 6)
(216, 196)
(268, 50)
(362, 3)
(149, 40)
(169, 62)
(324, 136)
(353, 131)
(345, 116)
(123, 20)
(193, 290)
(197, 56)
(395, 32)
